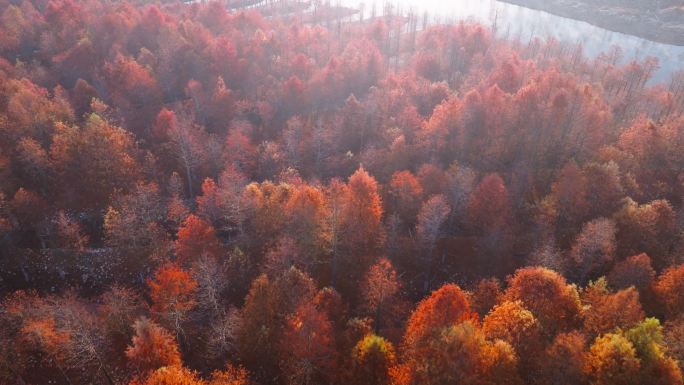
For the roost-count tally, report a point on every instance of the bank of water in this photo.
(517, 22)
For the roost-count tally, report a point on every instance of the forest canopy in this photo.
(220, 194)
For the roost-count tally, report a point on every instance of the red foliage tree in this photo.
(647, 228)
(634, 271)
(489, 207)
(446, 306)
(405, 194)
(381, 289)
(563, 361)
(134, 90)
(593, 250)
(196, 238)
(431, 219)
(307, 348)
(361, 230)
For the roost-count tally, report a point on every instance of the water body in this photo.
(515, 22)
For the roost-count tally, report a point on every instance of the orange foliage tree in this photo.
(93, 161)
(511, 322)
(669, 288)
(173, 292)
(152, 347)
(548, 296)
(563, 360)
(461, 354)
(608, 311)
(446, 306)
(612, 360)
(170, 375)
(232, 375)
(307, 213)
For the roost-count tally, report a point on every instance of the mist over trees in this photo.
(199, 194)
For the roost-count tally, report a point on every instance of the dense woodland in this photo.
(191, 195)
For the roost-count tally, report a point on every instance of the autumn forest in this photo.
(281, 193)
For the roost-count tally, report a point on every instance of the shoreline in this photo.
(602, 17)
